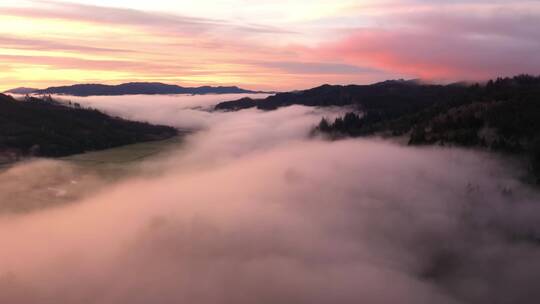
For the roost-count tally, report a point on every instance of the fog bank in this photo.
(252, 211)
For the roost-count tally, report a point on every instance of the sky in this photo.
(269, 45)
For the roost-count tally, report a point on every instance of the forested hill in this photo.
(44, 127)
(390, 96)
(503, 115)
(148, 88)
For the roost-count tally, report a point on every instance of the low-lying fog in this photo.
(249, 210)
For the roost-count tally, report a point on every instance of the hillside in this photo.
(503, 115)
(132, 88)
(43, 127)
(394, 97)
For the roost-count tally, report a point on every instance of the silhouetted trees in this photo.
(502, 115)
(44, 127)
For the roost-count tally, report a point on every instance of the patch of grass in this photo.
(126, 154)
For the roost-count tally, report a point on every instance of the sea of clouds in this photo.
(250, 209)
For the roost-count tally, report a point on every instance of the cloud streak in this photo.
(124, 16)
(250, 45)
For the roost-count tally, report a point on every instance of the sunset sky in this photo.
(268, 44)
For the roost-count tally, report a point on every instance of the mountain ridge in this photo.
(21, 90)
(130, 88)
(412, 92)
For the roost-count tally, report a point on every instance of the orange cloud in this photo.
(53, 43)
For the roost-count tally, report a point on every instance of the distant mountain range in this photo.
(132, 88)
(22, 90)
(390, 93)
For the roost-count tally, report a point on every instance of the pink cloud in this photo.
(438, 40)
(452, 45)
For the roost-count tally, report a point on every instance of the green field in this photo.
(112, 164)
(126, 154)
(35, 184)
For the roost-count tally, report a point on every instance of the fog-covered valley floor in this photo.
(249, 209)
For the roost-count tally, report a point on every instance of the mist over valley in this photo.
(251, 208)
